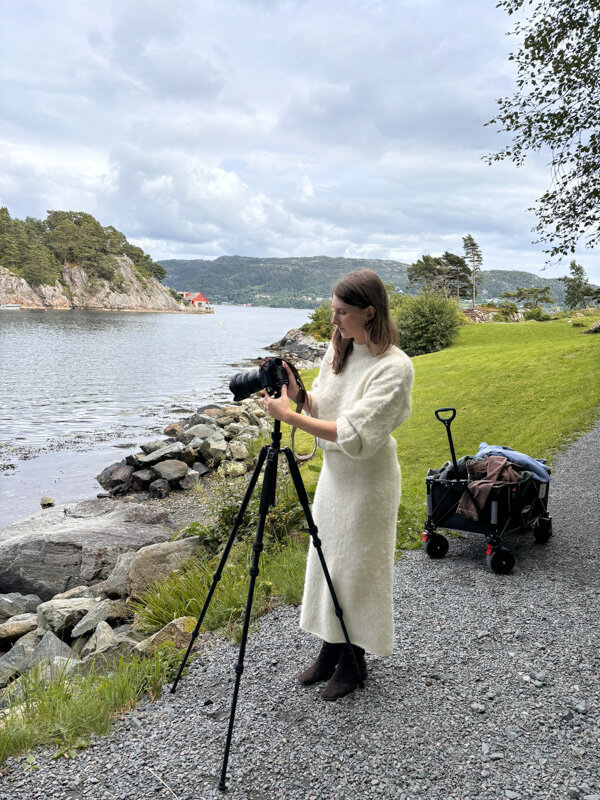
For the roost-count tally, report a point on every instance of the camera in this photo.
(271, 376)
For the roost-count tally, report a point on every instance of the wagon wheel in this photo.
(542, 529)
(436, 545)
(500, 560)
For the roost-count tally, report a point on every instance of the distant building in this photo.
(197, 300)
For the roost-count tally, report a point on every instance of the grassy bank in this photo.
(532, 386)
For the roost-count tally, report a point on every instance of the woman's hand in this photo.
(293, 387)
(279, 407)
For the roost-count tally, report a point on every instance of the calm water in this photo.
(80, 389)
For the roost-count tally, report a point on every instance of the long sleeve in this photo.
(314, 396)
(385, 403)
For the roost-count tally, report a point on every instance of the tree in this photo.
(431, 273)
(556, 107)
(577, 286)
(475, 259)
(533, 297)
(459, 274)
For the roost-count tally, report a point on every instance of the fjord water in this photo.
(81, 389)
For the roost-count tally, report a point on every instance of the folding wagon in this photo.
(518, 507)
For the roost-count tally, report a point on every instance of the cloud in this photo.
(271, 127)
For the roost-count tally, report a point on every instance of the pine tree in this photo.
(475, 259)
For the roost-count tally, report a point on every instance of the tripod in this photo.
(269, 454)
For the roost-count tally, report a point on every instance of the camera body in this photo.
(270, 376)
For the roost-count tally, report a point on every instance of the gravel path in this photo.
(492, 691)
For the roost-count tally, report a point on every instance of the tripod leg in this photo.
(313, 530)
(217, 576)
(266, 497)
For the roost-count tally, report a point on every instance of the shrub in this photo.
(506, 312)
(320, 322)
(426, 323)
(537, 314)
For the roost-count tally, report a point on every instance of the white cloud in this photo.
(271, 127)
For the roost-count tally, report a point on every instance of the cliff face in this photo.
(127, 292)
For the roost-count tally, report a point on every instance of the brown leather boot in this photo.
(324, 667)
(345, 679)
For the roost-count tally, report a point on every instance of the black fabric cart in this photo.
(520, 507)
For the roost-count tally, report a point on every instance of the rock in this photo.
(102, 638)
(116, 583)
(171, 470)
(188, 456)
(173, 429)
(190, 480)
(77, 591)
(49, 648)
(213, 451)
(59, 616)
(109, 653)
(233, 429)
(234, 469)
(594, 327)
(169, 451)
(67, 546)
(179, 632)
(150, 447)
(251, 432)
(142, 478)
(154, 562)
(104, 610)
(201, 431)
(200, 418)
(479, 708)
(299, 345)
(159, 488)
(122, 474)
(200, 468)
(239, 451)
(106, 474)
(18, 626)
(17, 658)
(14, 603)
(135, 460)
(46, 502)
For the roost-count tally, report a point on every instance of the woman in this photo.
(361, 395)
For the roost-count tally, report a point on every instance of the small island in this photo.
(69, 261)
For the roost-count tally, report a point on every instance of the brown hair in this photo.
(362, 289)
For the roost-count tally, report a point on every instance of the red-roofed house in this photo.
(196, 299)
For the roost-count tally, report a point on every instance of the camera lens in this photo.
(244, 384)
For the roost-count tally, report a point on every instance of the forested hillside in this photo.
(303, 282)
(37, 250)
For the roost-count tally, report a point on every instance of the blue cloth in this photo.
(539, 470)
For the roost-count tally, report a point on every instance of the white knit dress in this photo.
(357, 496)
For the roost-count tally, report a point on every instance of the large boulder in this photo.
(156, 561)
(76, 544)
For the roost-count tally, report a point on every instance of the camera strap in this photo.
(301, 400)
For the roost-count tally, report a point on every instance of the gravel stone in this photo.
(400, 737)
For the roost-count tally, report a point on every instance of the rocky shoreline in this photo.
(68, 572)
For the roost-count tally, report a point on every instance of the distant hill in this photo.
(304, 282)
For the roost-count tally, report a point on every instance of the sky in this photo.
(277, 128)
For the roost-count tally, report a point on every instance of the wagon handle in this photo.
(446, 422)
